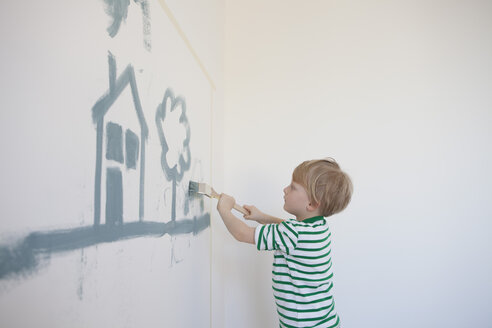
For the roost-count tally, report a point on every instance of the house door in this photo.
(114, 196)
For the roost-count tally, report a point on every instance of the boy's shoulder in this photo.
(309, 224)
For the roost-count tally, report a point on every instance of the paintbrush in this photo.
(205, 189)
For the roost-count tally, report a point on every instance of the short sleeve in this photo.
(282, 237)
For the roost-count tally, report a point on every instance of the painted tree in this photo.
(174, 134)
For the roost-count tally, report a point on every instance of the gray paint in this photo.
(23, 258)
(131, 149)
(99, 110)
(114, 142)
(83, 263)
(114, 196)
(15, 259)
(173, 204)
(172, 173)
(97, 178)
(118, 11)
(144, 6)
(142, 179)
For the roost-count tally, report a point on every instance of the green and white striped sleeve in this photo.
(282, 237)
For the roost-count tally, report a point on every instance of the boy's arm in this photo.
(270, 219)
(260, 217)
(238, 229)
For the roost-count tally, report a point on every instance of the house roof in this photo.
(116, 87)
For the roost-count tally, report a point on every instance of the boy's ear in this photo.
(312, 207)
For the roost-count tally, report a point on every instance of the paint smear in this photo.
(23, 258)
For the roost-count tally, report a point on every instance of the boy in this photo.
(302, 276)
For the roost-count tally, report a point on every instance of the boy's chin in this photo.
(287, 210)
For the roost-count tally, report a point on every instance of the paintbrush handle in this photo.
(237, 207)
(241, 209)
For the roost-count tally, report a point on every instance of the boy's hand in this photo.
(254, 214)
(226, 203)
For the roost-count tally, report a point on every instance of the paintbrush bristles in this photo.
(193, 188)
(204, 189)
(199, 188)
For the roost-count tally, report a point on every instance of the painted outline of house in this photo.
(114, 193)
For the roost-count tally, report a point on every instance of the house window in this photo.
(131, 147)
(114, 149)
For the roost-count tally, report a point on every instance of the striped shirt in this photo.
(301, 275)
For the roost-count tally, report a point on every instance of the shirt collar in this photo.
(313, 219)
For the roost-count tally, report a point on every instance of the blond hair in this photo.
(326, 184)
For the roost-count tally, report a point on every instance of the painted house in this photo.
(120, 150)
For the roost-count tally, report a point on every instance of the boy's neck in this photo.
(308, 215)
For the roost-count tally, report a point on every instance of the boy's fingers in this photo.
(250, 208)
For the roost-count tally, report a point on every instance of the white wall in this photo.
(54, 68)
(399, 92)
(203, 23)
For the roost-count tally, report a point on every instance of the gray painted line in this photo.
(118, 11)
(97, 184)
(144, 6)
(24, 257)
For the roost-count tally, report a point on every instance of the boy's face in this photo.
(296, 200)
